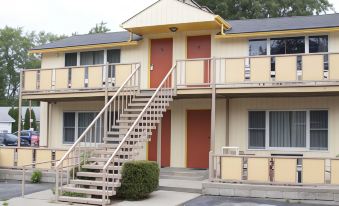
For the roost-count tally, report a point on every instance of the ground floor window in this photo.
(288, 129)
(75, 124)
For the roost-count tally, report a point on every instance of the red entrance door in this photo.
(200, 47)
(198, 138)
(161, 60)
(165, 141)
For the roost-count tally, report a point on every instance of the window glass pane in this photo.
(98, 57)
(319, 130)
(287, 129)
(91, 57)
(257, 129)
(318, 44)
(70, 59)
(290, 45)
(277, 46)
(84, 119)
(295, 45)
(258, 47)
(86, 58)
(113, 56)
(69, 127)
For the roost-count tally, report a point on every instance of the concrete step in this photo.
(94, 183)
(86, 191)
(183, 174)
(188, 186)
(83, 200)
(97, 175)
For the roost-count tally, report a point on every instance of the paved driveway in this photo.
(226, 201)
(12, 188)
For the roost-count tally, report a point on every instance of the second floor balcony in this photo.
(302, 71)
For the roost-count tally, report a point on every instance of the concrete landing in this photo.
(183, 174)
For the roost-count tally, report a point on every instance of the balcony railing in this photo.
(83, 78)
(260, 71)
(279, 170)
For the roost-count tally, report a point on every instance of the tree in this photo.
(252, 9)
(99, 28)
(14, 113)
(27, 124)
(14, 47)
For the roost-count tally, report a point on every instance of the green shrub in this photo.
(139, 179)
(36, 176)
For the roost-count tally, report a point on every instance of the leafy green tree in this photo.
(251, 9)
(14, 47)
(14, 113)
(99, 28)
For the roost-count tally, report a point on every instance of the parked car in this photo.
(7, 139)
(33, 137)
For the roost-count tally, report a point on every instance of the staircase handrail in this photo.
(139, 117)
(117, 93)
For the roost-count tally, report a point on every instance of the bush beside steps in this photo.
(139, 179)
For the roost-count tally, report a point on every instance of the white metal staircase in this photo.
(115, 136)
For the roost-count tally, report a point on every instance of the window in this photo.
(91, 57)
(318, 44)
(113, 56)
(70, 59)
(319, 130)
(290, 45)
(258, 47)
(69, 127)
(287, 129)
(257, 129)
(75, 123)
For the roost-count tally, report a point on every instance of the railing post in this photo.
(23, 182)
(175, 78)
(57, 183)
(139, 77)
(106, 100)
(19, 109)
(210, 166)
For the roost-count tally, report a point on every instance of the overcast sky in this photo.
(69, 16)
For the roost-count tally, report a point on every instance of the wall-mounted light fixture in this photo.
(173, 29)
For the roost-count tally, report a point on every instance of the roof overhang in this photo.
(276, 33)
(84, 47)
(217, 23)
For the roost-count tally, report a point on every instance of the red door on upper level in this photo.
(198, 138)
(200, 47)
(161, 60)
(165, 141)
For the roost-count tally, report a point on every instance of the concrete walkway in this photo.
(163, 198)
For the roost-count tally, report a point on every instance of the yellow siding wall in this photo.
(239, 119)
(53, 60)
(56, 118)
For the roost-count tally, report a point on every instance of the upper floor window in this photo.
(289, 45)
(258, 47)
(91, 57)
(113, 56)
(70, 59)
(318, 44)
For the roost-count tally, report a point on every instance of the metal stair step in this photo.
(83, 200)
(103, 159)
(142, 137)
(137, 115)
(144, 99)
(110, 152)
(97, 174)
(99, 167)
(133, 120)
(87, 191)
(140, 109)
(122, 133)
(110, 146)
(94, 183)
(144, 104)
